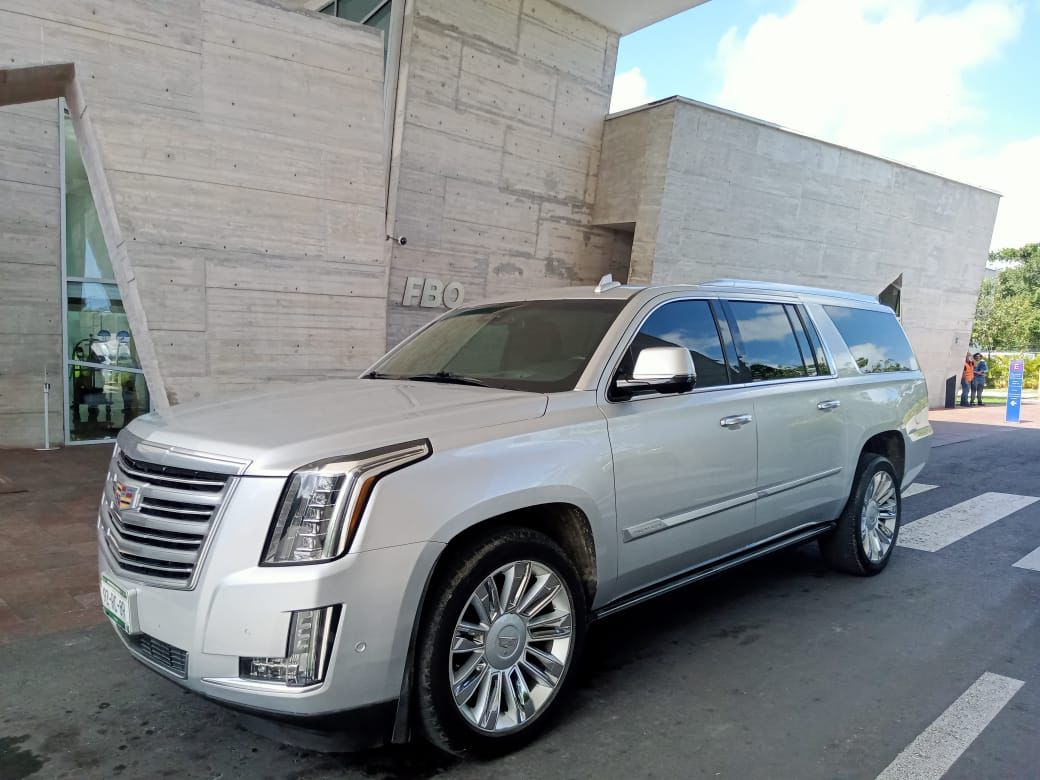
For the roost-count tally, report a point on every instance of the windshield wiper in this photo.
(377, 375)
(447, 378)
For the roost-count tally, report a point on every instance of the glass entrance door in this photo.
(104, 385)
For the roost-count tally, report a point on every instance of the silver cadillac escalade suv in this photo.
(420, 550)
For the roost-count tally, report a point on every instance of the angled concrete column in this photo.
(235, 152)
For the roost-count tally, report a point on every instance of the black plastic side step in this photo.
(707, 570)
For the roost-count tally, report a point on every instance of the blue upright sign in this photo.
(1014, 399)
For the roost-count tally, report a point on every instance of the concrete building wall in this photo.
(240, 147)
(498, 128)
(742, 198)
(30, 271)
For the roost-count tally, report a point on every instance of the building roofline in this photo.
(799, 133)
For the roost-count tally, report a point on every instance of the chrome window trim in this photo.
(616, 356)
(866, 374)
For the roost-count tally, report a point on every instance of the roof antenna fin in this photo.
(606, 283)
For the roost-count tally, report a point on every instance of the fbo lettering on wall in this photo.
(431, 293)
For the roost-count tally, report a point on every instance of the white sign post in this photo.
(46, 415)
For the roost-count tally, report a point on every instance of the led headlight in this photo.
(324, 501)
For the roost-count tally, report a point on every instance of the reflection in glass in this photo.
(98, 329)
(803, 341)
(102, 401)
(814, 338)
(106, 389)
(381, 20)
(371, 13)
(688, 324)
(768, 345)
(356, 10)
(874, 338)
(536, 346)
(86, 254)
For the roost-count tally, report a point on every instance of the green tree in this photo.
(1007, 316)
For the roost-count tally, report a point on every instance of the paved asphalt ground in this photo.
(782, 669)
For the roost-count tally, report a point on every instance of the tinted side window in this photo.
(874, 338)
(766, 342)
(688, 324)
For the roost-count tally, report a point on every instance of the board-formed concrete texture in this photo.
(715, 194)
(30, 271)
(241, 145)
(496, 146)
(248, 165)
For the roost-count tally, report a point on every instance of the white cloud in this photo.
(887, 77)
(863, 72)
(629, 91)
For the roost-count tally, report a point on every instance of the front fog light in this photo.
(323, 503)
(311, 632)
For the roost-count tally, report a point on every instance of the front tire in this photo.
(868, 527)
(498, 644)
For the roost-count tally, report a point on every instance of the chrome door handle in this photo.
(823, 406)
(735, 421)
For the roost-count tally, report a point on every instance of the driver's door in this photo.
(685, 464)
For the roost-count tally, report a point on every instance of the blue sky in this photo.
(952, 86)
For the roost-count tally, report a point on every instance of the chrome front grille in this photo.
(156, 517)
(172, 476)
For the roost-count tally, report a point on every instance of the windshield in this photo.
(537, 346)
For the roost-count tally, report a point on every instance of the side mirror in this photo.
(659, 370)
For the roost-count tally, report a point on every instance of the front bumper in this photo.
(239, 609)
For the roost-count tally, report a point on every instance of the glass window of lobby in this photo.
(105, 387)
(374, 13)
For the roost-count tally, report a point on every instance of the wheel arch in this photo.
(891, 445)
(564, 522)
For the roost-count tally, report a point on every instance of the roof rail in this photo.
(790, 288)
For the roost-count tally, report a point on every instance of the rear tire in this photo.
(868, 527)
(493, 667)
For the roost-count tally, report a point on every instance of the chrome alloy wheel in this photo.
(877, 519)
(511, 647)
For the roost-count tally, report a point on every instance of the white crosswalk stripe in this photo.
(1031, 561)
(917, 487)
(937, 747)
(939, 529)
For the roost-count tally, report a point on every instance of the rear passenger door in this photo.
(801, 430)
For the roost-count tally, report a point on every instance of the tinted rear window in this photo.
(875, 339)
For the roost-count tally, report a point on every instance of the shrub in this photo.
(1032, 369)
(998, 371)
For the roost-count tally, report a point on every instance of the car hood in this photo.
(282, 430)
